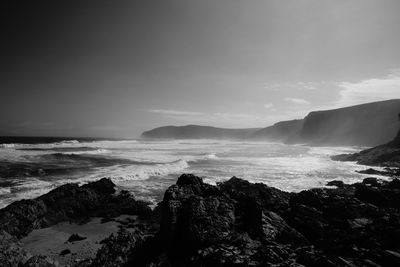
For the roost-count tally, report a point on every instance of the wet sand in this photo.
(52, 241)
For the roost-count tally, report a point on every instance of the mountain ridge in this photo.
(368, 124)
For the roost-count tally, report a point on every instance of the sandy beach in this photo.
(53, 240)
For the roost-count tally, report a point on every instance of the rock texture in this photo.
(11, 252)
(116, 249)
(241, 224)
(69, 202)
(237, 223)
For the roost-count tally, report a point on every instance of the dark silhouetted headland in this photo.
(362, 125)
(198, 132)
(279, 132)
(387, 155)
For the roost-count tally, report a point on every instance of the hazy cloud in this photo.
(268, 106)
(297, 101)
(175, 112)
(369, 90)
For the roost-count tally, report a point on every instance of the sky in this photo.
(116, 68)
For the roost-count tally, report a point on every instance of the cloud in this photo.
(297, 101)
(308, 86)
(369, 90)
(268, 106)
(175, 112)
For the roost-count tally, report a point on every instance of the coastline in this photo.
(197, 224)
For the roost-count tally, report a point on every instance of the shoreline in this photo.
(203, 221)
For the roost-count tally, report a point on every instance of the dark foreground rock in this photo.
(241, 224)
(11, 251)
(237, 223)
(117, 249)
(69, 202)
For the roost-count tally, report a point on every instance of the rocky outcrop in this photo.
(69, 203)
(237, 223)
(41, 261)
(116, 249)
(241, 224)
(384, 155)
(11, 252)
(387, 155)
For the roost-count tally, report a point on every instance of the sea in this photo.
(30, 167)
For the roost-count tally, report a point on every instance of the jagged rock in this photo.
(203, 225)
(195, 214)
(41, 261)
(270, 199)
(116, 249)
(242, 224)
(237, 223)
(371, 181)
(68, 203)
(335, 183)
(102, 187)
(11, 251)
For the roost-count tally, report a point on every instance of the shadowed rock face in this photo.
(117, 248)
(68, 203)
(384, 155)
(283, 131)
(396, 140)
(11, 252)
(237, 223)
(368, 124)
(241, 224)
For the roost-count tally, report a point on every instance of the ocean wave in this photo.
(211, 156)
(24, 189)
(66, 142)
(89, 152)
(60, 149)
(6, 190)
(127, 173)
(12, 145)
(96, 158)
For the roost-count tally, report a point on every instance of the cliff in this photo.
(369, 124)
(362, 125)
(386, 155)
(279, 132)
